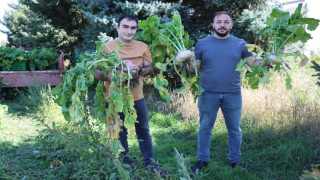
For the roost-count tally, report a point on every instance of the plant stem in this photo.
(177, 48)
(179, 43)
(289, 37)
(175, 68)
(95, 62)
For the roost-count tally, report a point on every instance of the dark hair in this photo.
(129, 17)
(221, 12)
(23, 46)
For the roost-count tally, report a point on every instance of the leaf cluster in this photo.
(284, 28)
(36, 59)
(166, 40)
(40, 59)
(10, 55)
(77, 82)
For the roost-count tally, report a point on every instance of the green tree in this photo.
(201, 13)
(37, 25)
(102, 15)
(28, 27)
(75, 24)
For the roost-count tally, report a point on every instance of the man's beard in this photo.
(221, 34)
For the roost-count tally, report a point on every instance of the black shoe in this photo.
(198, 166)
(154, 168)
(129, 163)
(234, 165)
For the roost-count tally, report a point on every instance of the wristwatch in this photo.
(140, 69)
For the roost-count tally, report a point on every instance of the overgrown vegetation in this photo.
(36, 59)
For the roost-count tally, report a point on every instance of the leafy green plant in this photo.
(8, 56)
(168, 46)
(72, 92)
(282, 29)
(181, 161)
(36, 59)
(40, 59)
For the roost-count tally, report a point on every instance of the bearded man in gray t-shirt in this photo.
(217, 56)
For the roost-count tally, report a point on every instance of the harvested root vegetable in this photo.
(130, 64)
(184, 55)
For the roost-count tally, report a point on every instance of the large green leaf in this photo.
(312, 23)
(296, 16)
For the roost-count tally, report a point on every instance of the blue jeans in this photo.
(231, 106)
(142, 131)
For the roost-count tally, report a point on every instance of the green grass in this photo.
(266, 153)
(30, 151)
(19, 134)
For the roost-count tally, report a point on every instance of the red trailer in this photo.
(29, 78)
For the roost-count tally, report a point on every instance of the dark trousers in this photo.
(142, 131)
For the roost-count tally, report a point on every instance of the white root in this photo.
(183, 56)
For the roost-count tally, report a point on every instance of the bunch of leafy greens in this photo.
(282, 29)
(166, 40)
(8, 56)
(76, 82)
(37, 59)
(40, 59)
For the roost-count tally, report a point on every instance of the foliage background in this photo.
(73, 26)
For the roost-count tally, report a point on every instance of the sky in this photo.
(4, 6)
(312, 5)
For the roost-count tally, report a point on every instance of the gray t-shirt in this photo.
(219, 59)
